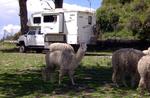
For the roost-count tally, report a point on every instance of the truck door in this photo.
(39, 40)
(31, 38)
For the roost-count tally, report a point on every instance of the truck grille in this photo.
(55, 38)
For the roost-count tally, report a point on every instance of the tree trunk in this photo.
(58, 3)
(23, 16)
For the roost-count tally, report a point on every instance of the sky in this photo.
(9, 17)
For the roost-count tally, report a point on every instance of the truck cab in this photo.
(34, 39)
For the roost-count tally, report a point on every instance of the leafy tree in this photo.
(58, 3)
(145, 34)
(107, 19)
(135, 25)
(140, 6)
(142, 30)
(124, 1)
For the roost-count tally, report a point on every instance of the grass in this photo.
(20, 77)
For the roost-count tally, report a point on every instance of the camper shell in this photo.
(59, 25)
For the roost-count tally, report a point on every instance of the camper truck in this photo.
(59, 25)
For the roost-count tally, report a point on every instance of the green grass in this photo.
(20, 77)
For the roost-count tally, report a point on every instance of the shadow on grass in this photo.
(27, 82)
(10, 50)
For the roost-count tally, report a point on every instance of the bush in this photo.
(135, 25)
(124, 1)
(16, 36)
(146, 25)
(107, 19)
(145, 34)
(141, 6)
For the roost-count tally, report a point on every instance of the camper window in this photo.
(90, 20)
(50, 18)
(37, 20)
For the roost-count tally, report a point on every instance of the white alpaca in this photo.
(65, 61)
(60, 46)
(144, 71)
(147, 52)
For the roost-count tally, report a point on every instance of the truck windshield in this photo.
(31, 32)
(50, 18)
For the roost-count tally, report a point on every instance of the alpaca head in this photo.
(147, 52)
(83, 46)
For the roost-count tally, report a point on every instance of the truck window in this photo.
(90, 20)
(37, 20)
(50, 18)
(31, 33)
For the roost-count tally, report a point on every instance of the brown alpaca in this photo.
(124, 62)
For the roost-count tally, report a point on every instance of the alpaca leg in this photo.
(61, 74)
(142, 85)
(114, 78)
(47, 73)
(71, 73)
(134, 79)
(123, 80)
(44, 75)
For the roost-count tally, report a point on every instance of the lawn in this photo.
(20, 77)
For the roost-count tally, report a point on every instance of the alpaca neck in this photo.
(79, 55)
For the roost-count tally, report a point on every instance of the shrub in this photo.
(145, 34)
(124, 1)
(107, 19)
(16, 36)
(141, 6)
(135, 25)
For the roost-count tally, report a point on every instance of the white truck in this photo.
(33, 40)
(59, 25)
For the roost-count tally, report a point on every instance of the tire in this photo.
(22, 49)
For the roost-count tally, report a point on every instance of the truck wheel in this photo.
(22, 49)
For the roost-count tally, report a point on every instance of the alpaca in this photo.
(144, 71)
(60, 46)
(124, 62)
(147, 52)
(65, 61)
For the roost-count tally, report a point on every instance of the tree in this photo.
(107, 19)
(58, 3)
(23, 16)
(135, 25)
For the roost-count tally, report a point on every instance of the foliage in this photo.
(145, 34)
(124, 1)
(16, 36)
(129, 16)
(140, 6)
(135, 25)
(107, 19)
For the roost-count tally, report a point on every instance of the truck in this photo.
(59, 25)
(33, 40)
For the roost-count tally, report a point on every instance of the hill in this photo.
(124, 19)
